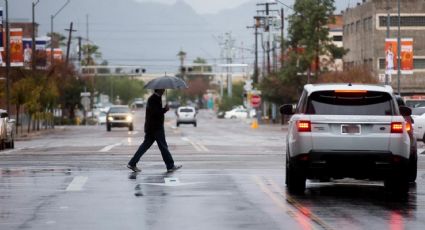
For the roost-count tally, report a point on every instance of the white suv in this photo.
(347, 131)
(186, 115)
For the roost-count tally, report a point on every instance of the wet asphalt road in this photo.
(232, 178)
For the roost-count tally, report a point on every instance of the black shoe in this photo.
(174, 168)
(134, 168)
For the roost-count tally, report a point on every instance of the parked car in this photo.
(119, 116)
(101, 118)
(347, 130)
(137, 104)
(186, 115)
(418, 115)
(239, 113)
(7, 130)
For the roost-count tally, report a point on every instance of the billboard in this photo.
(406, 54)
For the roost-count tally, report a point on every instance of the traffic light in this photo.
(138, 70)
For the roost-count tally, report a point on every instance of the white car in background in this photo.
(418, 115)
(239, 113)
(186, 115)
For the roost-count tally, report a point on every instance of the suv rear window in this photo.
(350, 103)
(186, 110)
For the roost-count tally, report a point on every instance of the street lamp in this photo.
(51, 29)
(34, 3)
(398, 49)
(7, 55)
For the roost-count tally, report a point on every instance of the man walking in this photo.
(154, 131)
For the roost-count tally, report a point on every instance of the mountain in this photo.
(148, 34)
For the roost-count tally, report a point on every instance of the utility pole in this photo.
(267, 29)
(387, 36)
(33, 48)
(79, 50)
(52, 17)
(398, 49)
(282, 38)
(7, 56)
(229, 43)
(256, 26)
(69, 42)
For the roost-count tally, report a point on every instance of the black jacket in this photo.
(154, 114)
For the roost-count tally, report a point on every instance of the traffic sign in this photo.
(255, 101)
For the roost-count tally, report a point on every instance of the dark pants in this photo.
(150, 138)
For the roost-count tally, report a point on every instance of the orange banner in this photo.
(391, 56)
(16, 47)
(406, 55)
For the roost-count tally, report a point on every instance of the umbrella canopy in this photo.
(166, 82)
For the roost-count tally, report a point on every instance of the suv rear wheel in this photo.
(108, 127)
(397, 182)
(295, 179)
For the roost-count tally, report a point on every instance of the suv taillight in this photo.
(396, 127)
(304, 126)
(408, 126)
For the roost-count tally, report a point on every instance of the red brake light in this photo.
(408, 126)
(350, 91)
(396, 127)
(304, 126)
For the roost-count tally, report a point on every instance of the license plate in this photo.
(350, 129)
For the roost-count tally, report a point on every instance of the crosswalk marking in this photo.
(77, 184)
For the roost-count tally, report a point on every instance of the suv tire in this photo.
(412, 169)
(397, 183)
(130, 127)
(108, 127)
(295, 179)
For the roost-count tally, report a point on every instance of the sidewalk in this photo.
(33, 134)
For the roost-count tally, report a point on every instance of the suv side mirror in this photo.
(405, 111)
(286, 109)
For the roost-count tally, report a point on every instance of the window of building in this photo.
(358, 26)
(337, 38)
(405, 21)
(352, 27)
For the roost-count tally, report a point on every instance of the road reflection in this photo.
(353, 206)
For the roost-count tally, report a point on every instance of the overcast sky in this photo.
(214, 6)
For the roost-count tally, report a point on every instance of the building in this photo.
(26, 26)
(336, 35)
(365, 29)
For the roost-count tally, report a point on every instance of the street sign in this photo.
(255, 101)
(85, 101)
(85, 94)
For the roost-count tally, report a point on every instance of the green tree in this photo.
(308, 31)
(227, 103)
(57, 39)
(125, 87)
(91, 54)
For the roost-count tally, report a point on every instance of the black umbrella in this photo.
(166, 82)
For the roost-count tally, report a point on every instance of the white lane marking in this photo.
(171, 181)
(198, 146)
(109, 147)
(77, 184)
(192, 143)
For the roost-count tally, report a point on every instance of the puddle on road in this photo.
(29, 171)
